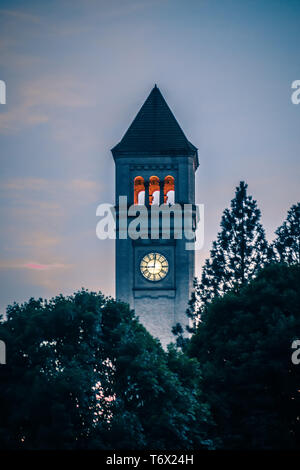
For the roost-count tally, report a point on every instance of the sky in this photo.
(76, 74)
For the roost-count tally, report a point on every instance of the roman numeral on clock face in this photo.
(154, 266)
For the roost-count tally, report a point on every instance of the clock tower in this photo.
(155, 166)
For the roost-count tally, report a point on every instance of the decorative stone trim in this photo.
(153, 167)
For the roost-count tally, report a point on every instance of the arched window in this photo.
(169, 190)
(154, 190)
(139, 190)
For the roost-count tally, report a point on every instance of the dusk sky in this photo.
(78, 71)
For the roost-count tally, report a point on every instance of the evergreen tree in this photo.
(237, 255)
(286, 246)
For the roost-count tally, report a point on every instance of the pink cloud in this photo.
(42, 266)
(36, 266)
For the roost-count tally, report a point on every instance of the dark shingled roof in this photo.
(155, 130)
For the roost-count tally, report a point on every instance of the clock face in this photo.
(154, 266)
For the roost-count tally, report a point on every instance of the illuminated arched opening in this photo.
(139, 190)
(154, 190)
(169, 190)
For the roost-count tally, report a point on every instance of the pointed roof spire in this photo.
(155, 131)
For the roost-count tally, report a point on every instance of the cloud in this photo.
(71, 29)
(40, 240)
(6, 43)
(16, 28)
(39, 215)
(15, 264)
(82, 187)
(20, 25)
(55, 91)
(20, 116)
(21, 16)
(39, 99)
(121, 9)
(43, 267)
(21, 184)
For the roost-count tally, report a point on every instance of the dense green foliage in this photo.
(243, 344)
(82, 372)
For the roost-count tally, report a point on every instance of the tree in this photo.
(243, 344)
(237, 255)
(286, 246)
(82, 372)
